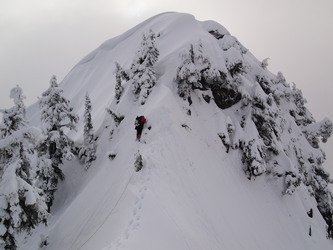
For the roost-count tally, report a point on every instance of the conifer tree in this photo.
(194, 70)
(88, 151)
(308, 169)
(14, 118)
(188, 74)
(56, 114)
(142, 69)
(22, 205)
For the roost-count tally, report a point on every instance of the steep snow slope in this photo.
(191, 193)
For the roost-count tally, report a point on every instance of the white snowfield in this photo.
(190, 193)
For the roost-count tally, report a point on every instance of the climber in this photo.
(139, 123)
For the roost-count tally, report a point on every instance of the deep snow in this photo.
(190, 194)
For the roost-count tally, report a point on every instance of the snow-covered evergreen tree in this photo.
(22, 205)
(120, 76)
(14, 118)
(310, 167)
(56, 115)
(264, 116)
(316, 130)
(194, 70)
(88, 150)
(47, 175)
(269, 97)
(142, 69)
(188, 75)
(56, 111)
(301, 115)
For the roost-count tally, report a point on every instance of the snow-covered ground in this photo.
(191, 193)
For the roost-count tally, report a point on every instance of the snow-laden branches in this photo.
(22, 203)
(142, 70)
(87, 152)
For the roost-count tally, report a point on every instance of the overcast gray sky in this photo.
(39, 38)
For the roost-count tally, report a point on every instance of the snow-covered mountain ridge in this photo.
(233, 162)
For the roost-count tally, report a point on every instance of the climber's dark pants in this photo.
(139, 131)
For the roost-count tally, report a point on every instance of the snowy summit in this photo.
(228, 156)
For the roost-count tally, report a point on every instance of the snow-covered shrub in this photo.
(234, 62)
(298, 111)
(264, 83)
(112, 155)
(230, 126)
(266, 130)
(281, 89)
(225, 141)
(321, 129)
(252, 158)
(44, 241)
(264, 116)
(116, 118)
(264, 63)
(120, 75)
(138, 164)
(292, 181)
(226, 136)
(142, 70)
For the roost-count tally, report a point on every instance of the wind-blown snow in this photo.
(190, 194)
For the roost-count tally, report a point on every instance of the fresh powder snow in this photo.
(210, 178)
